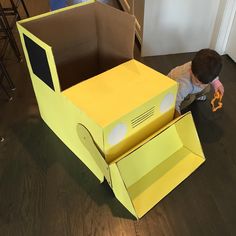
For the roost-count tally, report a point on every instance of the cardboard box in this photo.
(107, 107)
(128, 103)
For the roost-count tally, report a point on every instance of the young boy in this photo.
(195, 78)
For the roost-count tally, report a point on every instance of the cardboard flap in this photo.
(86, 40)
(116, 32)
(183, 127)
(154, 186)
(88, 141)
(72, 34)
(120, 189)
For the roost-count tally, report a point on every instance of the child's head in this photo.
(206, 65)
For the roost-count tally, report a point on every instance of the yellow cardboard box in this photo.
(128, 102)
(107, 107)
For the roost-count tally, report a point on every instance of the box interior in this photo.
(85, 40)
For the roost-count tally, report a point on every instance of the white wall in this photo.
(172, 26)
(231, 45)
(217, 35)
(223, 25)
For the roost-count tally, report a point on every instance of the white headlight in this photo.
(167, 102)
(117, 134)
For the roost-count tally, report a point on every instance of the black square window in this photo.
(38, 61)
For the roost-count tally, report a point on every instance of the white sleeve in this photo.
(182, 93)
(179, 100)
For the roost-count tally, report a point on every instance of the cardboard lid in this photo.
(116, 92)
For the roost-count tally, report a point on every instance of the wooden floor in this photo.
(46, 190)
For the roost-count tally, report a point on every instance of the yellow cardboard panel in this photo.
(113, 89)
(163, 179)
(48, 51)
(193, 143)
(135, 136)
(60, 114)
(63, 120)
(147, 157)
(87, 140)
(120, 190)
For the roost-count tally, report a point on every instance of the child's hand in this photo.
(218, 86)
(220, 89)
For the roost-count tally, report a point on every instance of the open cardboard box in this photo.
(107, 107)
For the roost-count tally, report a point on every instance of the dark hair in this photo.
(206, 65)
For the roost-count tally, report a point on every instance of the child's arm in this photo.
(218, 86)
(181, 75)
(182, 93)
